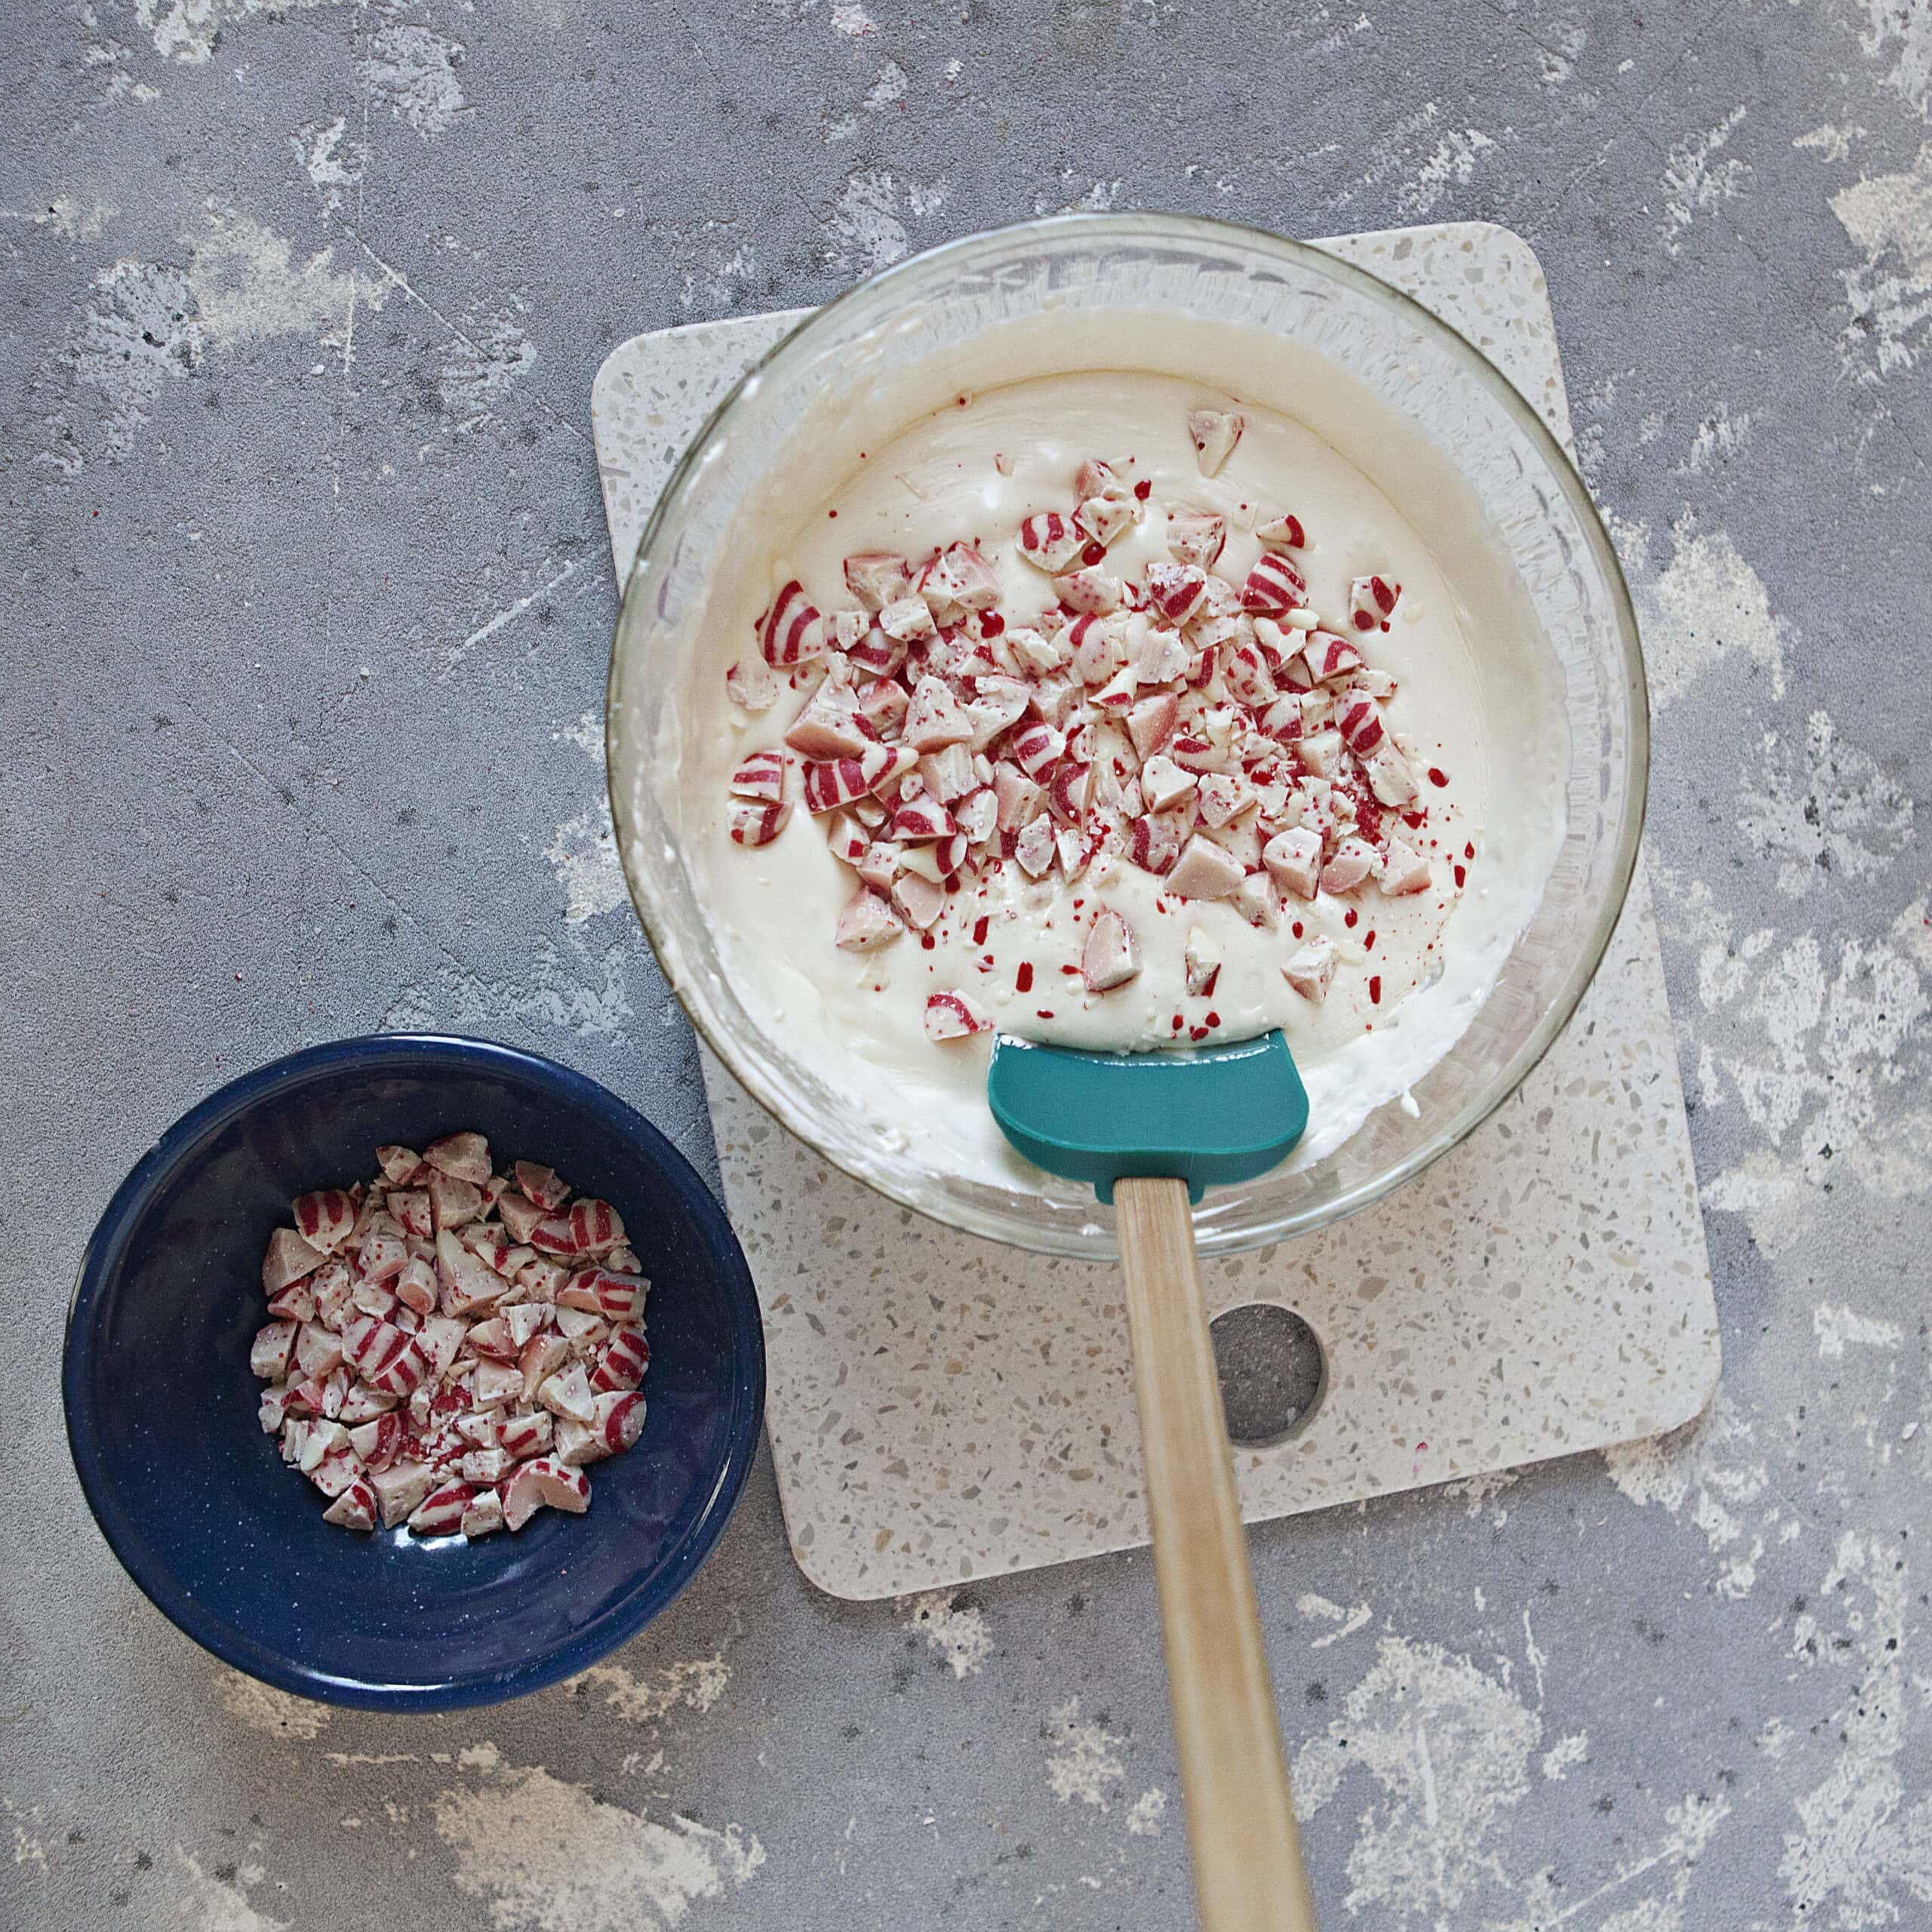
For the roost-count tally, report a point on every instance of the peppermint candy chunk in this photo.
(1195, 537)
(1204, 871)
(878, 577)
(1372, 602)
(1311, 969)
(1112, 956)
(1215, 432)
(791, 631)
(1050, 541)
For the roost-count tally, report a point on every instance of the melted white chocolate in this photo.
(1412, 971)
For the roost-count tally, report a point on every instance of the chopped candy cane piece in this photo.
(1281, 532)
(835, 782)
(1294, 859)
(1404, 871)
(959, 578)
(399, 1488)
(791, 631)
(749, 684)
(1099, 647)
(919, 900)
(378, 1442)
(921, 818)
(847, 840)
(520, 1213)
(440, 1513)
(543, 1482)
(1254, 899)
(464, 1156)
(468, 1283)
(1215, 433)
(753, 824)
(541, 1186)
(1372, 602)
(452, 1201)
(273, 1349)
(866, 924)
(484, 1516)
(1036, 652)
(825, 728)
(497, 1382)
(1195, 536)
(935, 718)
(1389, 777)
(523, 1436)
(1355, 859)
(1151, 723)
(1223, 796)
(1115, 697)
(1310, 969)
(621, 1366)
(977, 816)
(333, 1287)
(1204, 871)
(844, 629)
(1018, 798)
(485, 1466)
(1050, 541)
(1164, 657)
(318, 1351)
(583, 1329)
(355, 1509)
(1273, 585)
(1108, 518)
(1175, 591)
(296, 1302)
(877, 578)
(400, 1165)
(1322, 752)
(1358, 719)
(1090, 589)
(1154, 840)
(1329, 657)
(1070, 792)
(1164, 785)
(1110, 957)
(325, 1218)
(907, 620)
(880, 866)
(1245, 672)
(951, 1016)
(1035, 748)
(595, 1226)
(1033, 850)
(618, 1421)
(289, 1258)
(1201, 960)
(882, 704)
(413, 1212)
(493, 1338)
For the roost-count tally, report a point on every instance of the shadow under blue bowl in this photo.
(230, 1545)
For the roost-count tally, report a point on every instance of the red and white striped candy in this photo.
(1254, 899)
(541, 1483)
(883, 705)
(907, 620)
(1273, 585)
(1329, 657)
(977, 816)
(753, 824)
(835, 781)
(1035, 747)
(1354, 860)
(380, 1441)
(750, 685)
(1018, 798)
(846, 839)
(1358, 719)
(325, 1218)
(1223, 795)
(405, 1373)
(1096, 477)
(951, 1016)
(761, 775)
(411, 1209)
(1098, 648)
(1389, 777)
(1372, 602)
(791, 630)
(1200, 962)
(400, 1165)
(523, 1436)
(878, 577)
(843, 629)
(1033, 848)
(1106, 519)
(596, 1227)
(622, 1364)
(1215, 433)
(1175, 591)
(540, 1185)
(960, 577)
(936, 718)
(1150, 723)
(876, 653)
(618, 1421)
(825, 728)
(463, 1156)
(273, 1350)
(1245, 673)
(296, 1302)
(1310, 970)
(921, 819)
(867, 923)
(1294, 859)
(440, 1513)
(1092, 589)
(355, 1508)
(1050, 541)
(1195, 536)
(1110, 957)
(1282, 533)
(919, 900)
(1204, 871)
(1070, 790)
(1154, 840)
(1164, 785)
(1404, 871)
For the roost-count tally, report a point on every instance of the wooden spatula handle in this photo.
(1248, 1875)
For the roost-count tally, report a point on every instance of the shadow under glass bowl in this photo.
(1531, 505)
(230, 1544)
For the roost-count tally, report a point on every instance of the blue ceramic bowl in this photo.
(230, 1545)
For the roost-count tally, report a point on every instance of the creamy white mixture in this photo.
(1412, 971)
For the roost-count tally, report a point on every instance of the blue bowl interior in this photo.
(231, 1544)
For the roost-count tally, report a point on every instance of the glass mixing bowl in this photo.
(938, 308)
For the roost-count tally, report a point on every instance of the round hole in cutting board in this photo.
(1272, 1371)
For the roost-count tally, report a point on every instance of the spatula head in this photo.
(1208, 1114)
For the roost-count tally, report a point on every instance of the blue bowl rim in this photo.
(409, 1052)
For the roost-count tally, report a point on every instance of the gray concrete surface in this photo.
(307, 606)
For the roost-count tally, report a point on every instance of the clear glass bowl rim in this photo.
(1142, 227)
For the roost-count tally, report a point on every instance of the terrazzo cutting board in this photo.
(942, 1407)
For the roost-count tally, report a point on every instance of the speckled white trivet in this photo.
(942, 1407)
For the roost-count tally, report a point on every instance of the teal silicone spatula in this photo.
(1149, 1132)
